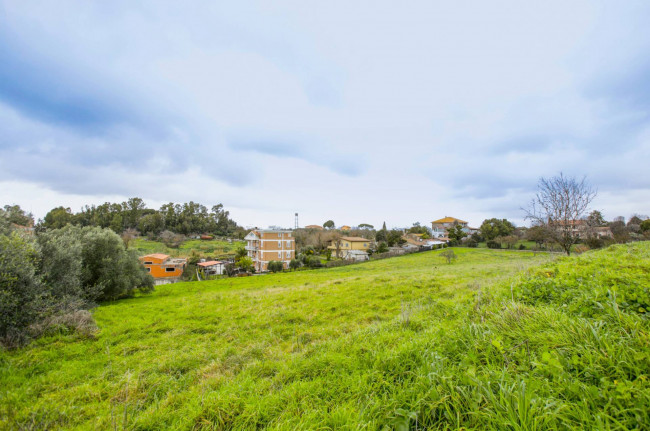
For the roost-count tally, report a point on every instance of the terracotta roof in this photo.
(449, 220)
(209, 263)
(355, 238)
(156, 256)
(346, 227)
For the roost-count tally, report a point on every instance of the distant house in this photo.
(442, 227)
(212, 267)
(345, 227)
(341, 247)
(314, 226)
(266, 245)
(163, 268)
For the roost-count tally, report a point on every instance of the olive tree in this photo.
(22, 294)
(559, 205)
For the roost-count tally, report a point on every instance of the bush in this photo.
(314, 262)
(275, 266)
(471, 243)
(522, 247)
(294, 264)
(22, 294)
(493, 244)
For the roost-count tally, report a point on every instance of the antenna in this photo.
(296, 221)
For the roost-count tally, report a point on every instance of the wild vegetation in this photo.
(491, 340)
(52, 279)
(132, 214)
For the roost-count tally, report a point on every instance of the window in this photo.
(288, 244)
(170, 269)
(365, 244)
(148, 263)
(279, 255)
(148, 269)
(279, 244)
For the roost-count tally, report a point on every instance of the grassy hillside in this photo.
(409, 342)
(213, 248)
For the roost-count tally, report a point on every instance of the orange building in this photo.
(268, 245)
(163, 268)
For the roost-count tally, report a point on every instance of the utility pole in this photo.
(296, 227)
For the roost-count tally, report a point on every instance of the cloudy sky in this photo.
(358, 112)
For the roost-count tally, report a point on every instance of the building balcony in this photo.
(252, 247)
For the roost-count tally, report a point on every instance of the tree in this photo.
(382, 235)
(22, 295)
(57, 218)
(366, 226)
(240, 252)
(109, 271)
(329, 224)
(492, 228)
(294, 264)
(596, 219)
(449, 255)
(645, 226)
(275, 266)
(245, 264)
(394, 238)
(171, 239)
(456, 234)
(538, 234)
(382, 247)
(128, 236)
(15, 214)
(559, 204)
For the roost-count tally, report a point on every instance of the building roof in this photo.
(156, 256)
(209, 263)
(346, 227)
(449, 220)
(354, 239)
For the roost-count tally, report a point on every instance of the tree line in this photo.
(185, 219)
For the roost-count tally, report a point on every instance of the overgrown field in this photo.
(496, 340)
(213, 248)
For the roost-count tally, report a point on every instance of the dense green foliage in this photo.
(22, 293)
(494, 228)
(402, 343)
(61, 271)
(187, 218)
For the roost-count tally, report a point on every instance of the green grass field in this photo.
(213, 248)
(497, 340)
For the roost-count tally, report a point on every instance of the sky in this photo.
(359, 112)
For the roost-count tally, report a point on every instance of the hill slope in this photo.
(403, 342)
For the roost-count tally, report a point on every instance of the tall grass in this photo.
(404, 343)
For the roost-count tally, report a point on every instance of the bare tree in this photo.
(559, 205)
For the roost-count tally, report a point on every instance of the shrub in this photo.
(294, 264)
(314, 262)
(22, 294)
(493, 244)
(522, 247)
(275, 266)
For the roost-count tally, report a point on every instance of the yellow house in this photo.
(342, 246)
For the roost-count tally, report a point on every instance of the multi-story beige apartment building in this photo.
(266, 245)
